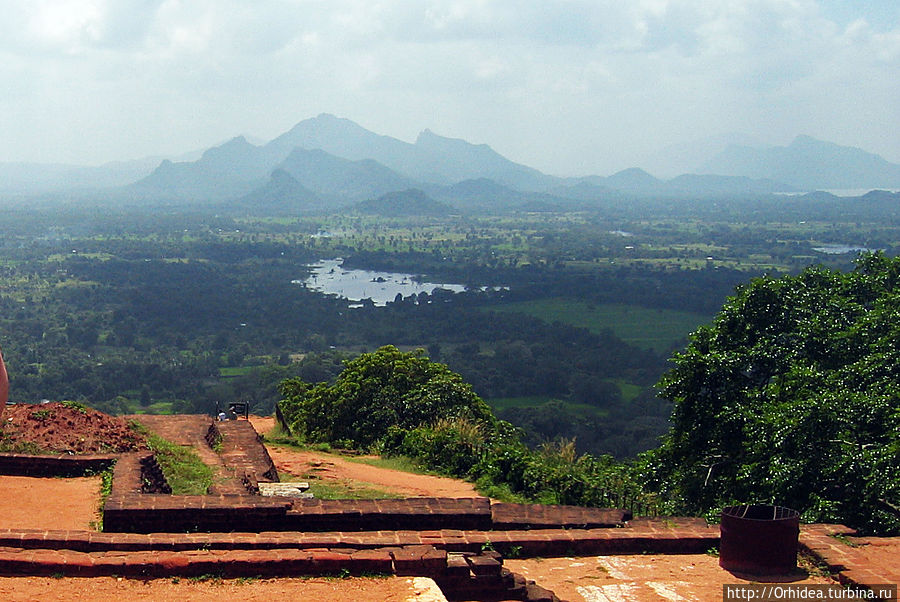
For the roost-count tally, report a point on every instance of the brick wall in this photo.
(54, 466)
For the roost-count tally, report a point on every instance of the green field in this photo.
(580, 409)
(656, 329)
(234, 371)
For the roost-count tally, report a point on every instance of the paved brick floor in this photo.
(848, 558)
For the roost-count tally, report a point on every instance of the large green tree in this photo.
(375, 391)
(792, 396)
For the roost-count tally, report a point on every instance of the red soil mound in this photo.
(65, 428)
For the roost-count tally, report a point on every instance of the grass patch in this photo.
(233, 371)
(348, 490)
(656, 329)
(629, 390)
(399, 463)
(288, 442)
(500, 492)
(158, 407)
(499, 404)
(106, 482)
(184, 470)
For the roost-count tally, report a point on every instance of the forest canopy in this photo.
(376, 391)
(792, 396)
(402, 403)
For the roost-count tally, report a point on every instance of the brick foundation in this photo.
(54, 466)
(459, 543)
(842, 559)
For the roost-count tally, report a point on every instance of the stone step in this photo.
(424, 561)
(478, 582)
(298, 489)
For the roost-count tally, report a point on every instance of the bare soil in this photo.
(49, 503)
(113, 589)
(62, 429)
(331, 468)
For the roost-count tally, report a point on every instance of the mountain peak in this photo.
(808, 142)
(634, 175)
(428, 138)
(403, 203)
(324, 123)
(235, 149)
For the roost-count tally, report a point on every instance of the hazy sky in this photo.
(571, 87)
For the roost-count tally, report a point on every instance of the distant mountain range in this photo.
(405, 203)
(807, 164)
(328, 163)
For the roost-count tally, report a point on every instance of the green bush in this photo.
(375, 392)
(402, 404)
(791, 395)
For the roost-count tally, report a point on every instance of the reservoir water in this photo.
(835, 249)
(330, 278)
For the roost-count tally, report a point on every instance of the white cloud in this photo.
(569, 86)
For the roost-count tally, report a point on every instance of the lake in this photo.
(328, 277)
(833, 249)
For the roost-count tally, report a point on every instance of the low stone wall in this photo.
(213, 436)
(539, 516)
(130, 510)
(672, 536)
(152, 478)
(157, 513)
(54, 466)
(136, 474)
(141, 502)
(380, 515)
(241, 449)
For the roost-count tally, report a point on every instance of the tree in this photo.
(792, 396)
(374, 392)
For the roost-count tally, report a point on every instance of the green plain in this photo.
(581, 409)
(660, 330)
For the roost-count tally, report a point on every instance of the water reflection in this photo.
(330, 278)
(834, 249)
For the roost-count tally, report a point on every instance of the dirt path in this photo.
(334, 468)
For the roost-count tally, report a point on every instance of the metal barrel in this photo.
(759, 539)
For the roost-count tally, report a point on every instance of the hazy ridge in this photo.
(326, 163)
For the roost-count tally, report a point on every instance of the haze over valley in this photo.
(326, 163)
(563, 249)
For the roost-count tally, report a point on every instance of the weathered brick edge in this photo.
(129, 510)
(483, 577)
(458, 575)
(848, 563)
(464, 564)
(242, 449)
(412, 560)
(54, 466)
(672, 536)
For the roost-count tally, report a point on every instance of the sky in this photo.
(570, 87)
